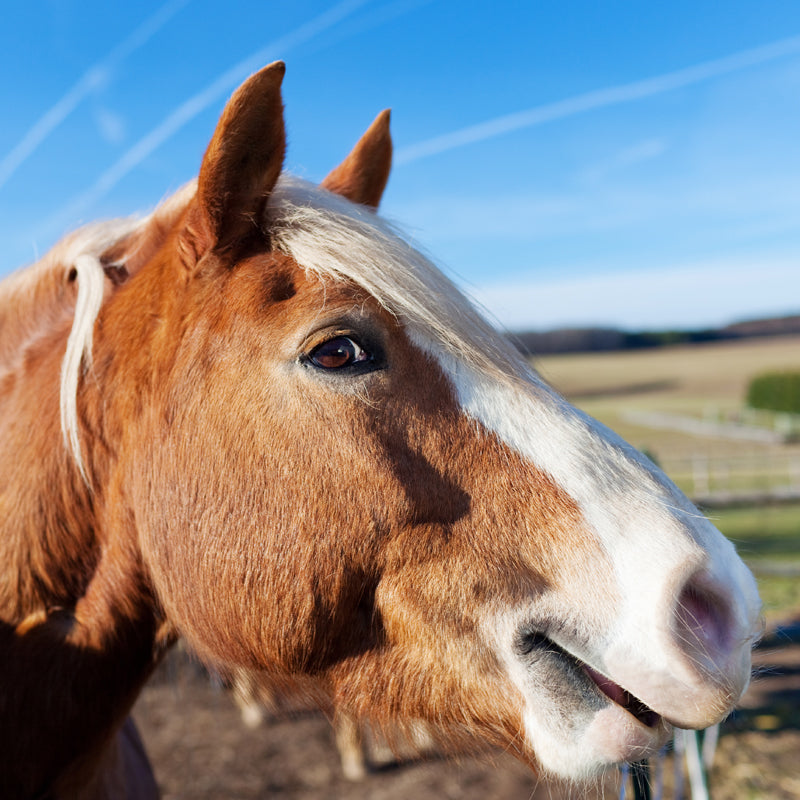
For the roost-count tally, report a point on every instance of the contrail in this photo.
(189, 109)
(91, 79)
(602, 98)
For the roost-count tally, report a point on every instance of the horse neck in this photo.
(78, 631)
(45, 536)
(55, 529)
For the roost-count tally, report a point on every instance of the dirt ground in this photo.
(200, 748)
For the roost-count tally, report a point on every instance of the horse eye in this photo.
(337, 353)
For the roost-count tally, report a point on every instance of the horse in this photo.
(260, 419)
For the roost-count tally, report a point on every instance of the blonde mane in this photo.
(331, 238)
(33, 299)
(77, 258)
(335, 239)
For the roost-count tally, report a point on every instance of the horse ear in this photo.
(362, 176)
(243, 160)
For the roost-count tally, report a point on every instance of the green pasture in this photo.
(768, 539)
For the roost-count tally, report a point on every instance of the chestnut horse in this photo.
(261, 420)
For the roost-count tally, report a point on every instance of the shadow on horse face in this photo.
(311, 457)
(313, 488)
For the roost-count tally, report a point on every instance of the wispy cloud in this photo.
(683, 296)
(195, 105)
(110, 125)
(601, 98)
(624, 159)
(731, 204)
(93, 78)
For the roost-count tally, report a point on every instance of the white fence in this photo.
(756, 475)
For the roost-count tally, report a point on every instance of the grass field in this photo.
(768, 539)
(703, 382)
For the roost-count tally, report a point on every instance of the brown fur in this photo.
(281, 521)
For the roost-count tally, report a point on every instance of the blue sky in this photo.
(575, 163)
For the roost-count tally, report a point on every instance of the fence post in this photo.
(700, 476)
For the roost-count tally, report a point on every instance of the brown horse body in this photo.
(292, 442)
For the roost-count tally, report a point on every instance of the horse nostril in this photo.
(703, 619)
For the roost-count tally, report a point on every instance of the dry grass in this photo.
(703, 381)
(717, 371)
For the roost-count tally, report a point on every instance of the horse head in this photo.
(326, 464)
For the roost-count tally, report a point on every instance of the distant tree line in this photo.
(589, 340)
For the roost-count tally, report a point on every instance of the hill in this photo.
(592, 340)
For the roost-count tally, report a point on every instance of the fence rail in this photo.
(758, 477)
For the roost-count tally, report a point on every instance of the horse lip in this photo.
(530, 641)
(622, 697)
